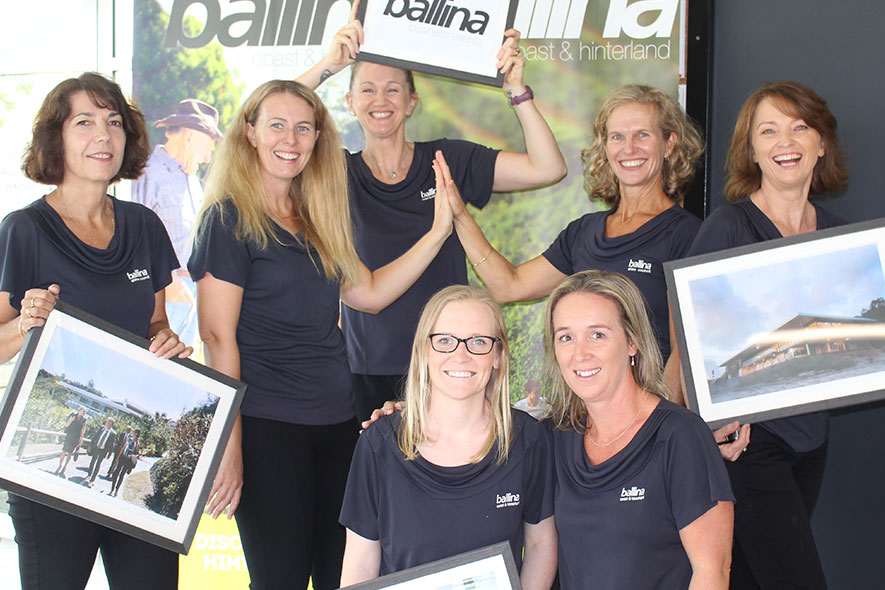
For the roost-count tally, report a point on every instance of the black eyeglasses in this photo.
(447, 343)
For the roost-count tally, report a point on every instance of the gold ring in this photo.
(32, 302)
(28, 313)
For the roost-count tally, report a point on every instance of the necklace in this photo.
(90, 239)
(629, 426)
(393, 174)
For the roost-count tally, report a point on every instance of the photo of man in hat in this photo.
(171, 188)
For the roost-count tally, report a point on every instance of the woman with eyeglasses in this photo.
(458, 469)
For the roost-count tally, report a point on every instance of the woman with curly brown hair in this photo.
(641, 163)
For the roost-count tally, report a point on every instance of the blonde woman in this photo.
(642, 496)
(274, 252)
(458, 469)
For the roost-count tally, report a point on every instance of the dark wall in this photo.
(838, 49)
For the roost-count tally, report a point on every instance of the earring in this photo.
(633, 361)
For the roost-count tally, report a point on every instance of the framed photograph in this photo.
(93, 424)
(489, 568)
(454, 38)
(784, 327)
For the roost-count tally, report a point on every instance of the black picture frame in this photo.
(141, 389)
(379, 45)
(488, 568)
(775, 329)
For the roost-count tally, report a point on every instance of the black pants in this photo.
(371, 391)
(776, 490)
(95, 464)
(293, 486)
(57, 550)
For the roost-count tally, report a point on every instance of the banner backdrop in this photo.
(217, 51)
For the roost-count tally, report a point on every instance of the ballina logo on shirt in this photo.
(429, 194)
(634, 494)
(138, 275)
(639, 266)
(508, 499)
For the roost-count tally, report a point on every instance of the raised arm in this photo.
(539, 563)
(218, 310)
(382, 287)
(342, 53)
(362, 560)
(542, 163)
(528, 281)
(707, 542)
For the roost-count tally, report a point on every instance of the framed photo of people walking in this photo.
(487, 568)
(94, 424)
(454, 38)
(784, 327)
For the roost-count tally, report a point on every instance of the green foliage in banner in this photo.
(164, 76)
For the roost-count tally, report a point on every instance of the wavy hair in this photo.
(44, 157)
(799, 101)
(567, 409)
(412, 430)
(319, 193)
(600, 181)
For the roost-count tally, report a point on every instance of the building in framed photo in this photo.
(803, 337)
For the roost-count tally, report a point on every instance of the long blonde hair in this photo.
(568, 410)
(412, 430)
(319, 193)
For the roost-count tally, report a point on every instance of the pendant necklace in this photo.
(629, 426)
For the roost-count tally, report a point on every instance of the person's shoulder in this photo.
(25, 217)
(826, 219)
(681, 217)
(383, 433)
(527, 430)
(677, 421)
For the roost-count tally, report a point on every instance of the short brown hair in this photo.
(600, 181)
(796, 100)
(44, 158)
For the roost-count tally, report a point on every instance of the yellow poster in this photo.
(216, 558)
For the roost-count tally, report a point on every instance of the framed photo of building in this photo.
(784, 327)
(488, 568)
(454, 38)
(94, 424)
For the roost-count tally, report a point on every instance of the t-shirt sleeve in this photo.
(718, 232)
(695, 474)
(163, 259)
(217, 249)
(359, 511)
(540, 487)
(17, 256)
(683, 237)
(559, 254)
(473, 167)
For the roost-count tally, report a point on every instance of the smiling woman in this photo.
(274, 254)
(636, 475)
(641, 163)
(460, 448)
(83, 246)
(784, 151)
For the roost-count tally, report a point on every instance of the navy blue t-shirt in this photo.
(422, 512)
(619, 521)
(739, 224)
(640, 256)
(117, 284)
(292, 355)
(387, 220)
